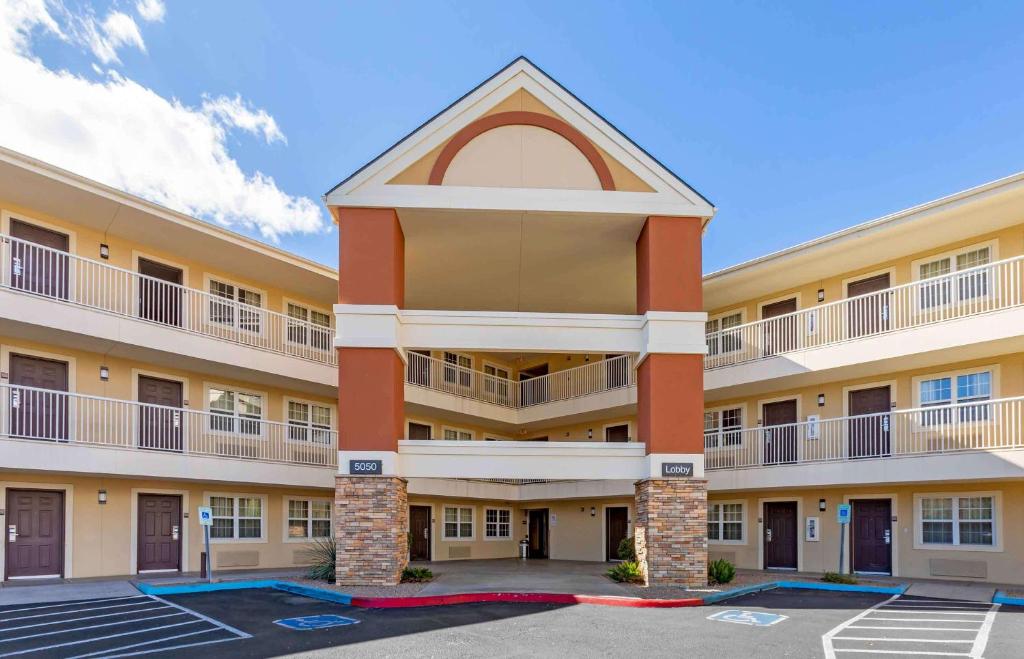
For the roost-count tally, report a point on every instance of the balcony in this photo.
(46, 429)
(53, 275)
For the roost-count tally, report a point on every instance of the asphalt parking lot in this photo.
(270, 623)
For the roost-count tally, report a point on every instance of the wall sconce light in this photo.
(590, 433)
(821, 400)
(821, 295)
(821, 505)
(593, 511)
(586, 358)
(581, 509)
(101, 497)
(104, 251)
(104, 373)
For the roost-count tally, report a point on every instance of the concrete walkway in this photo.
(65, 592)
(968, 592)
(513, 575)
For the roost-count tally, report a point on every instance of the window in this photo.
(309, 518)
(458, 434)
(235, 411)
(963, 287)
(958, 520)
(223, 313)
(725, 522)
(458, 523)
(718, 335)
(969, 393)
(457, 369)
(309, 422)
(236, 518)
(497, 523)
(496, 380)
(723, 427)
(309, 327)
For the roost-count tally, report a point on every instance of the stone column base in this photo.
(671, 531)
(371, 522)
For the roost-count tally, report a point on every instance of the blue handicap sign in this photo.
(752, 618)
(843, 512)
(306, 623)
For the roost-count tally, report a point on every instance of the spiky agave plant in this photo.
(322, 556)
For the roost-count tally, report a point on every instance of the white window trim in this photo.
(744, 424)
(472, 434)
(286, 421)
(915, 273)
(511, 525)
(264, 317)
(997, 521)
(472, 523)
(263, 517)
(916, 381)
(743, 522)
(285, 499)
(308, 307)
(742, 311)
(238, 390)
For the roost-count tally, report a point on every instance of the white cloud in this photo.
(126, 135)
(117, 30)
(151, 10)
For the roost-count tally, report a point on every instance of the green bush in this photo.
(627, 549)
(835, 577)
(721, 571)
(416, 575)
(626, 572)
(322, 557)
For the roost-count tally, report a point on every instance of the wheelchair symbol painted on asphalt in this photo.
(307, 623)
(752, 618)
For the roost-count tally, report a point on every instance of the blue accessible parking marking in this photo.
(306, 623)
(752, 618)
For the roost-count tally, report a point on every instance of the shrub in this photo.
(627, 549)
(721, 571)
(322, 557)
(416, 575)
(835, 577)
(626, 572)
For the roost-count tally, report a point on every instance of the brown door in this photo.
(538, 526)
(616, 529)
(615, 371)
(872, 535)
(780, 443)
(869, 436)
(160, 292)
(868, 314)
(39, 260)
(419, 431)
(38, 398)
(418, 371)
(534, 392)
(159, 532)
(37, 548)
(779, 335)
(159, 424)
(419, 533)
(617, 433)
(780, 537)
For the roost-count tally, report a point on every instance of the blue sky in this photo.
(795, 119)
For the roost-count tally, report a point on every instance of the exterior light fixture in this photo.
(593, 511)
(101, 497)
(104, 373)
(821, 400)
(104, 251)
(590, 433)
(821, 295)
(821, 505)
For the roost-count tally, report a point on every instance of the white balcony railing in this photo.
(439, 375)
(975, 426)
(979, 290)
(57, 275)
(43, 415)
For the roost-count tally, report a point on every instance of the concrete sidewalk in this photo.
(65, 592)
(513, 575)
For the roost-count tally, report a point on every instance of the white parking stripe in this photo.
(922, 652)
(973, 622)
(62, 622)
(60, 613)
(55, 606)
(227, 628)
(173, 647)
(158, 640)
(881, 639)
(81, 629)
(99, 638)
(927, 629)
(986, 629)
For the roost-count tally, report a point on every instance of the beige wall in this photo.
(560, 433)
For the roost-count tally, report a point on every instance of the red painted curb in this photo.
(521, 598)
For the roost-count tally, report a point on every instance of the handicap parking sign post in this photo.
(206, 521)
(843, 512)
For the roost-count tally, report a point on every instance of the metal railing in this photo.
(978, 290)
(29, 413)
(51, 273)
(599, 376)
(975, 426)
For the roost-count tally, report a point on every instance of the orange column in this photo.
(670, 388)
(371, 396)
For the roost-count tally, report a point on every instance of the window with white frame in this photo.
(723, 427)
(240, 300)
(458, 434)
(458, 523)
(457, 369)
(725, 522)
(235, 411)
(497, 523)
(718, 335)
(958, 520)
(309, 422)
(308, 327)
(496, 380)
(309, 518)
(968, 391)
(236, 517)
(967, 286)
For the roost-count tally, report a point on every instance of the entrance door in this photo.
(160, 292)
(37, 546)
(160, 427)
(872, 536)
(159, 532)
(868, 314)
(779, 335)
(869, 436)
(532, 393)
(615, 371)
(40, 412)
(618, 433)
(779, 443)
(40, 264)
(780, 535)
(419, 532)
(616, 529)
(419, 431)
(538, 525)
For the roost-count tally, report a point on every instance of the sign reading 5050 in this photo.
(366, 467)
